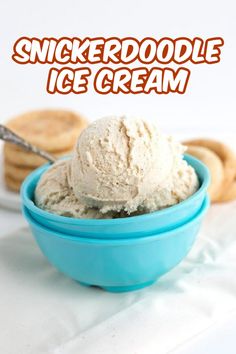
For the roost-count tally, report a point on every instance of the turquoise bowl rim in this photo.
(110, 242)
(144, 217)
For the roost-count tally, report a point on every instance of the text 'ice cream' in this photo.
(120, 166)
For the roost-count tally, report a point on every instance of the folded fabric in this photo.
(42, 311)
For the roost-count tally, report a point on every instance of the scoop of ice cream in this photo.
(120, 167)
(119, 162)
(183, 183)
(54, 195)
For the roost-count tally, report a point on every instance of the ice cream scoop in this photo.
(8, 135)
(119, 162)
(120, 166)
(53, 194)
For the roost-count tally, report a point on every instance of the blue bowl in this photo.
(117, 265)
(135, 226)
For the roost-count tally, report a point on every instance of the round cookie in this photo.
(19, 157)
(51, 130)
(215, 166)
(226, 155)
(12, 184)
(230, 193)
(17, 173)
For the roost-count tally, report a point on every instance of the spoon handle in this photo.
(8, 135)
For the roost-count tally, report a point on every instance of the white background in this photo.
(208, 107)
(210, 98)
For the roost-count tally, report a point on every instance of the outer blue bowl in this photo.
(135, 226)
(117, 265)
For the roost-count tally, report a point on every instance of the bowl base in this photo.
(120, 289)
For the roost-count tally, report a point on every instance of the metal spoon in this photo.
(8, 135)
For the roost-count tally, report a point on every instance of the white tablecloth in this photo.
(42, 311)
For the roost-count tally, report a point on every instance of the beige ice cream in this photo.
(119, 162)
(180, 186)
(53, 194)
(120, 166)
